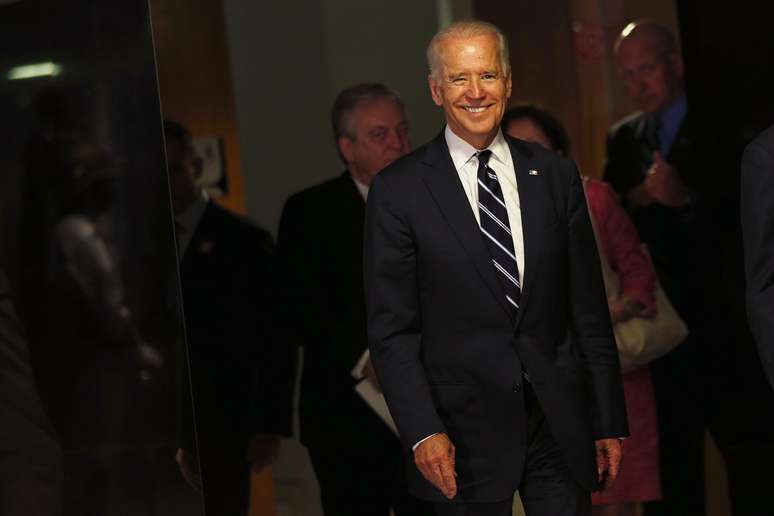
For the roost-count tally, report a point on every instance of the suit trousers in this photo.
(547, 487)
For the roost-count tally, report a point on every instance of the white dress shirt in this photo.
(187, 222)
(465, 162)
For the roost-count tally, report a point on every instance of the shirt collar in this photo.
(361, 187)
(190, 217)
(462, 152)
(672, 116)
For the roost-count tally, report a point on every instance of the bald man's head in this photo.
(650, 64)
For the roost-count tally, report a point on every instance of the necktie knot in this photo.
(653, 132)
(483, 157)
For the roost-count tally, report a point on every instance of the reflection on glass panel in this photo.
(91, 349)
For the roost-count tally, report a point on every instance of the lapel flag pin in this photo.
(533, 172)
(206, 247)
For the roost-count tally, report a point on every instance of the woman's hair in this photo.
(548, 124)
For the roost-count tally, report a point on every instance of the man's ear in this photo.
(677, 64)
(508, 86)
(346, 148)
(435, 90)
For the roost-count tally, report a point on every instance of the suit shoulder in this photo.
(763, 142)
(542, 158)
(400, 176)
(238, 227)
(404, 166)
(319, 193)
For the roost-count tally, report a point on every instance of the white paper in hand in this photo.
(376, 401)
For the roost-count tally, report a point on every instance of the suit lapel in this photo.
(445, 187)
(532, 217)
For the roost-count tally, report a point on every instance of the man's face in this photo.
(653, 80)
(184, 167)
(472, 88)
(381, 137)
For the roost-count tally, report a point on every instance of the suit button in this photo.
(516, 387)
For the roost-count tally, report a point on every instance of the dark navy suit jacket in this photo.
(448, 352)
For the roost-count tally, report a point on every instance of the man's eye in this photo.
(459, 80)
(378, 135)
(489, 76)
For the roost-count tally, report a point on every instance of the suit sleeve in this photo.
(591, 319)
(757, 212)
(619, 168)
(275, 351)
(394, 315)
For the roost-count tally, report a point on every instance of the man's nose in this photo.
(395, 141)
(475, 89)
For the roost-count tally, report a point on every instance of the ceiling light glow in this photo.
(48, 69)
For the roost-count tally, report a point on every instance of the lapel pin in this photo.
(533, 172)
(206, 247)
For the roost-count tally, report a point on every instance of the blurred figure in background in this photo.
(684, 205)
(619, 244)
(356, 457)
(241, 373)
(97, 376)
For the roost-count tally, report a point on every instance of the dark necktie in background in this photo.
(651, 142)
(497, 230)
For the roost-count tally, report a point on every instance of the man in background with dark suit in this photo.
(487, 317)
(758, 230)
(672, 170)
(356, 457)
(241, 373)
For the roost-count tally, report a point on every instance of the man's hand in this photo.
(609, 452)
(435, 460)
(624, 308)
(188, 468)
(664, 185)
(370, 374)
(639, 196)
(263, 451)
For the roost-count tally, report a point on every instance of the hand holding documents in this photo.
(370, 392)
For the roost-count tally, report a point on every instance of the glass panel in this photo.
(87, 245)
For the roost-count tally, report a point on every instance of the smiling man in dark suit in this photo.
(487, 317)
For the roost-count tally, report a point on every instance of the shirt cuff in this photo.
(414, 448)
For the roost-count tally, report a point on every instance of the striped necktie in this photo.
(497, 230)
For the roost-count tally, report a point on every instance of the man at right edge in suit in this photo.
(494, 388)
(758, 231)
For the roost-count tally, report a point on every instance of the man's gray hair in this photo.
(660, 35)
(349, 99)
(466, 29)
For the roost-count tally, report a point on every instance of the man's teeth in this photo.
(474, 109)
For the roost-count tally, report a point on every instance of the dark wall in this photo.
(729, 53)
